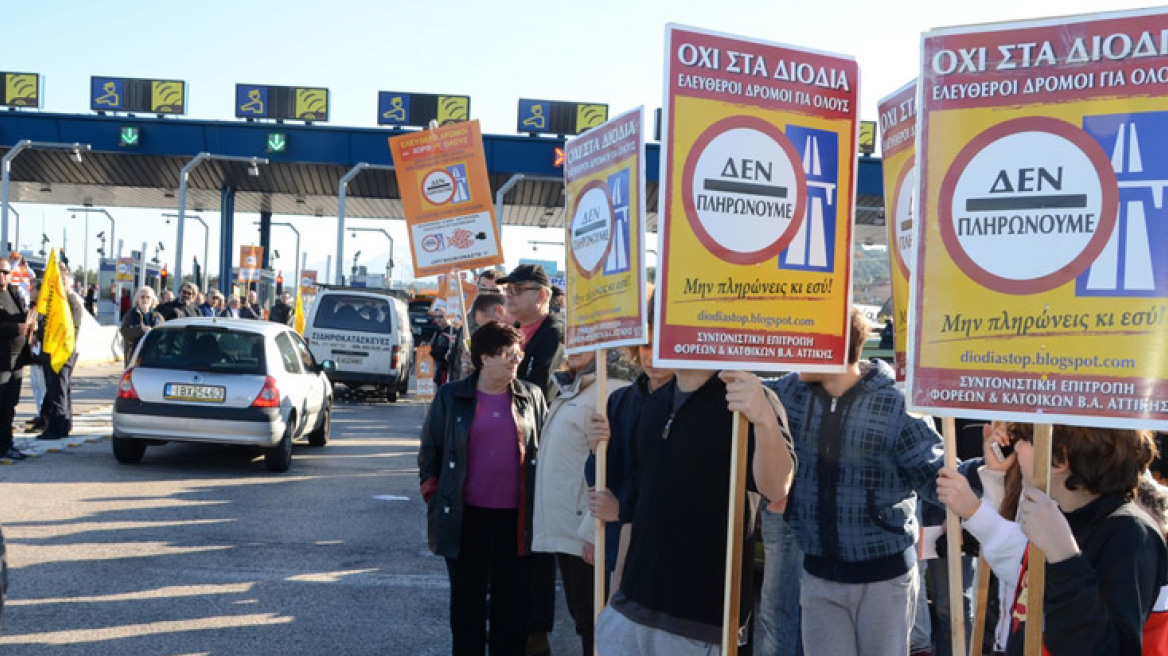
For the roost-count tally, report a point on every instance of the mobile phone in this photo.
(1001, 452)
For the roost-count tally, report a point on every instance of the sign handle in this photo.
(599, 571)
(979, 614)
(456, 280)
(953, 542)
(1036, 589)
(738, 461)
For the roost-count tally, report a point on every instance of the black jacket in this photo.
(133, 328)
(442, 458)
(1097, 602)
(13, 352)
(176, 309)
(282, 313)
(543, 354)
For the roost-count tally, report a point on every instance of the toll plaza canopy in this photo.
(140, 168)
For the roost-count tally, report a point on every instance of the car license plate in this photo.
(202, 393)
(342, 360)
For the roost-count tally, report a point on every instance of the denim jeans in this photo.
(938, 584)
(777, 628)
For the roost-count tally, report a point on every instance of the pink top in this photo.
(492, 453)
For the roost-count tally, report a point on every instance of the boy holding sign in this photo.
(673, 545)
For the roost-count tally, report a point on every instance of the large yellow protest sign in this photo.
(604, 179)
(757, 165)
(1042, 263)
(898, 130)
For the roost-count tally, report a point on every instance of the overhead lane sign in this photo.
(123, 94)
(418, 109)
(283, 103)
(20, 90)
(555, 117)
(1042, 250)
(759, 179)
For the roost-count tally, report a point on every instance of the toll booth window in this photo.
(354, 313)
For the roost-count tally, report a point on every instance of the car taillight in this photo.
(269, 396)
(396, 355)
(126, 386)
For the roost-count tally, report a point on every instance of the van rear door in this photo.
(355, 331)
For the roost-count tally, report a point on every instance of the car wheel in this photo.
(279, 458)
(320, 436)
(391, 396)
(129, 451)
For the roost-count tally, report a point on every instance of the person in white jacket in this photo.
(562, 523)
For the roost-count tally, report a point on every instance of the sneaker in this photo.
(14, 453)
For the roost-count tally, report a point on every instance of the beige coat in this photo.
(562, 523)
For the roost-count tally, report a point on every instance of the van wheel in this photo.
(320, 436)
(391, 396)
(279, 458)
(129, 451)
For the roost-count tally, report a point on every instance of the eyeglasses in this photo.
(516, 290)
(187, 292)
(6, 272)
(510, 355)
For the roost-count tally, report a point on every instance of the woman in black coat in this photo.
(139, 320)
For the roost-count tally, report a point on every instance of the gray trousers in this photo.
(858, 619)
(617, 635)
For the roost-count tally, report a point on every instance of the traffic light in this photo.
(279, 284)
(277, 142)
(163, 276)
(129, 136)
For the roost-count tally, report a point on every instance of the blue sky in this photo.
(604, 51)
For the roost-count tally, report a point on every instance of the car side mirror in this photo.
(328, 366)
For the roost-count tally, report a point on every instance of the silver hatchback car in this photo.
(223, 381)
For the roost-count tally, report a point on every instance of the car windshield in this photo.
(204, 349)
(420, 307)
(363, 314)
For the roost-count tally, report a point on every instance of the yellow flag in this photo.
(299, 320)
(53, 302)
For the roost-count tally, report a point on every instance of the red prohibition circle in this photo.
(595, 184)
(427, 177)
(773, 249)
(1108, 212)
(897, 255)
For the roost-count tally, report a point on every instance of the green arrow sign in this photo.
(129, 137)
(277, 142)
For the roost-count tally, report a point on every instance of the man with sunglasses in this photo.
(529, 293)
(186, 305)
(16, 325)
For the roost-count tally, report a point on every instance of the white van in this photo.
(366, 333)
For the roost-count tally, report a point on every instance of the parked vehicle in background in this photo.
(366, 334)
(223, 381)
(421, 321)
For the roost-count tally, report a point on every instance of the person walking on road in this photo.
(139, 321)
(477, 471)
(16, 326)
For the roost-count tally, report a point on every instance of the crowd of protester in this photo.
(847, 492)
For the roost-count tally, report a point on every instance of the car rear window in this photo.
(363, 314)
(204, 349)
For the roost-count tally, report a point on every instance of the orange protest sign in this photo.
(446, 197)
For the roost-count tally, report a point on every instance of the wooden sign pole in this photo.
(1036, 567)
(738, 463)
(979, 613)
(953, 542)
(599, 571)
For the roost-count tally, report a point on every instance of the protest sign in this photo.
(249, 263)
(898, 130)
(604, 179)
(446, 197)
(1042, 255)
(757, 201)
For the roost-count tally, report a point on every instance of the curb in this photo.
(32, 447)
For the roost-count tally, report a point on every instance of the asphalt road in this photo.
(200, 550)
